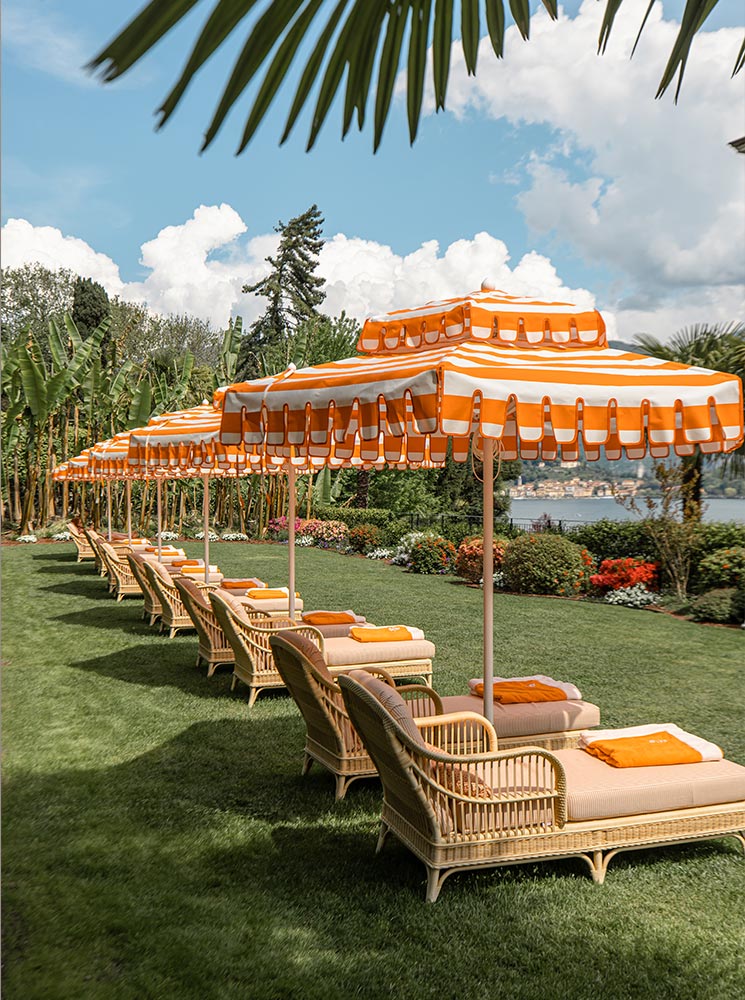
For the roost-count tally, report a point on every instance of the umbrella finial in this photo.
(488, 285)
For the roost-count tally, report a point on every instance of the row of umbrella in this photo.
(490, 373)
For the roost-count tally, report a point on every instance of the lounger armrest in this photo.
(459, 733)
(423, 700)
(510, 791)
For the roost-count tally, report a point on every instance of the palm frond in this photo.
(280, 30)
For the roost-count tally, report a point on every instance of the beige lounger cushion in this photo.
(268, 606)
(596, 790)
(532, 718)
(343, 651)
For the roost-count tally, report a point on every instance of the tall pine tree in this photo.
(293, 292)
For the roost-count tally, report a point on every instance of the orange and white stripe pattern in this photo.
(486, 315)
(537, 402)
(186, 440)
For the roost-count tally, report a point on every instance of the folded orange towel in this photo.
(385, 633)
(522, 692)
(648, 746)
(269, 593)
(331, 618)
(236, 584)
(187, 562)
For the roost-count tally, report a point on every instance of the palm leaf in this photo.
(34, 384)
(281, 29)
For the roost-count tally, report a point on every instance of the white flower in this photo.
(62, 536)
(304, 541)
(637, 596)
(235, 536)
(26, 538)
(200, 536)
(169, 536)
(380, 554)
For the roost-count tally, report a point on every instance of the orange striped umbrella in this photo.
(535, 379)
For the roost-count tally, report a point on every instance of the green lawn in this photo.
(160, 842)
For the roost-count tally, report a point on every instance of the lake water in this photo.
(597, 508)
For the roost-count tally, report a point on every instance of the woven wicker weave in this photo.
(173, 614)
(214, 647)
(122, 582)
(81, 542)
(331, 739)
(522, 818)
(152, 609)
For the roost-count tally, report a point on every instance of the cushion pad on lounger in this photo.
(596, 790)
(343, 651)
(278, 605)
(532, 718)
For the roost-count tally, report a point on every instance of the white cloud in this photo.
(201, 266)
(40, 39)
(650, 190)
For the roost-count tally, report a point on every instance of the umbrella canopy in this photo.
(533, 379)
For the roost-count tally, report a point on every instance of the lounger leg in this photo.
(119, 597)
(598, 865)
(434, 884)
(253, 696)
(307, 763)
(341, 787)
(199, 660)
(172, 632)
(211, 668)
(384, 831)
(233, 683)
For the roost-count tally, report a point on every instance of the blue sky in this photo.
(85, 159)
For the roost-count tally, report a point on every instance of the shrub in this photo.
(325, 534)
(617, 574)
(546, 564)
(365, 537)
(432, 554)
(723, 605)
(635, 596)
(402, 555)
(722, 568)
(614, 539)
(469, 562)
(279, 526)
(394, 530)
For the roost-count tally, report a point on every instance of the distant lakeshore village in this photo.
(577, 486)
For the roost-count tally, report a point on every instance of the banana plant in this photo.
(228, 361)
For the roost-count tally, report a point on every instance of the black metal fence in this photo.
(473, 522)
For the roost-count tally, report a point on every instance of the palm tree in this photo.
(278, 31)
(720, 347)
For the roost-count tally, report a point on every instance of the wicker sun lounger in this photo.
(173, 614)
(82, 544)
(491, 808)
(152, 609)
(122, 581)
(249, 636)
(331, 739)
(214, 647)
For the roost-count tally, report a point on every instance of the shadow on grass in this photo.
(94, 587)
(117, 616)
(86, 570)
(163, 662)
(67, 557)
(214, 838)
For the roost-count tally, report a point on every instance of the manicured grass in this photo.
(160, 842)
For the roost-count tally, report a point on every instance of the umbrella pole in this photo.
(291, 535)
(158, 492)
(108, 507)
(128, 490)
(488, 568)
(206, 520)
